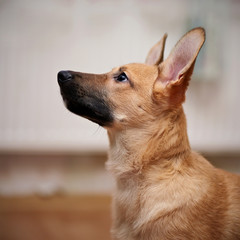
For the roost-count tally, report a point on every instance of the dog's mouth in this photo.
(86, 102)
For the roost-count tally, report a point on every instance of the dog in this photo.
(164, 190)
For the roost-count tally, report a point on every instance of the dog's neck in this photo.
(133, 150)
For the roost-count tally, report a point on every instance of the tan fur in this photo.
(164, 190)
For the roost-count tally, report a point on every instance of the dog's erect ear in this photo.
(176, 70)
(156, 53)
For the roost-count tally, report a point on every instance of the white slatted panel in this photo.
(39, 38)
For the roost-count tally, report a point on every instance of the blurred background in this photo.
(52, 179)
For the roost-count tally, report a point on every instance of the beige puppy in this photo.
(164, 190)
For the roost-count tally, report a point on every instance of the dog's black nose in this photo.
(64, 76)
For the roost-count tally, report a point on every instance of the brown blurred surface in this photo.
(54, 218)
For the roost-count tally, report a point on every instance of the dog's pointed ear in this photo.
(176, 70)
(156, 53)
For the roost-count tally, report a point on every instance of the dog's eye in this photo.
(122, 77)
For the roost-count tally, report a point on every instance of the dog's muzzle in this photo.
(82, 97)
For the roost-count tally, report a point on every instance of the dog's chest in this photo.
(127, 194)
(126, 208)
(138, 202)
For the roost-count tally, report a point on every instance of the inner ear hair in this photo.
(183, 56)
(175, 72)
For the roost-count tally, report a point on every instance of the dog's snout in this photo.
(64, 76)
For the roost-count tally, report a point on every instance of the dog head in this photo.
(134, 94)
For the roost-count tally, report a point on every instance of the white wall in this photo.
(39, 38)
